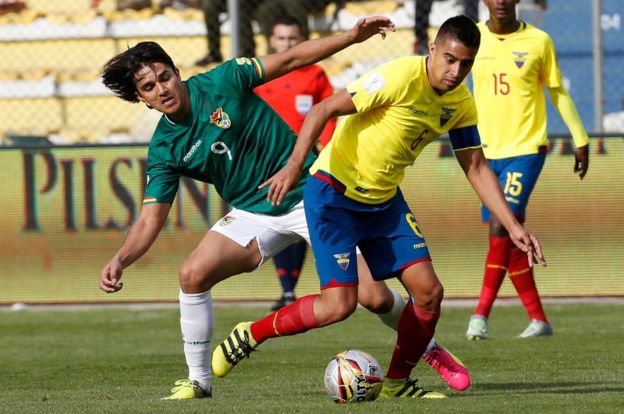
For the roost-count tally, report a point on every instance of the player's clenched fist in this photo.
(109, 278)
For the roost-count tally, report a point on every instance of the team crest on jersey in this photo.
(520, 58)
(343, 260)
(220, 118)
(227, 220)
(446, 115)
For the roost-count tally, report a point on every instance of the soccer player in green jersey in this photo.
(215, 129)
(353, 198)
(515, 63)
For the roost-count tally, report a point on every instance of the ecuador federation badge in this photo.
(343, 260)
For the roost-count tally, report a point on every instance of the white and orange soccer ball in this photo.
(353, 376)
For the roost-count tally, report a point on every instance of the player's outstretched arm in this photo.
(336, 105)
(139, 239)
(488, 189)
(312, 51)
(565, 105)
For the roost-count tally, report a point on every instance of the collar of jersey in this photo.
(506, 36)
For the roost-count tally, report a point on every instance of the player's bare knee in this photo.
(192, 279)
(375, 302)
(343, 310)
(437, 294)
(431, 298)
(335, 311)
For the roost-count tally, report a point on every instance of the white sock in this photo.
(197, 324)
(391, 318)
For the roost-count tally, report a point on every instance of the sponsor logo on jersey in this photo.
(191, 151)
(446, 115)
(343, 260)
(220, 118)
(227, 220)
(520, 58)
(420, 245)
(417, 112)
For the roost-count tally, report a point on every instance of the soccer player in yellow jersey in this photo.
(353, 198)
(516, 61)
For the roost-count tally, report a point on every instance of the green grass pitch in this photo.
(111, 360)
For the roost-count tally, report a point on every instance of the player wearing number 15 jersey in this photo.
(515, 63)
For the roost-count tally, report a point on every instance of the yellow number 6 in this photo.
(413, 224)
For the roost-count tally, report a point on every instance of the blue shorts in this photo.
(517, 177)
(387, 234)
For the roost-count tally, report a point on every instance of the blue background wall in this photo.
(569, 23)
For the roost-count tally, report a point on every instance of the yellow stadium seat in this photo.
(35, 116)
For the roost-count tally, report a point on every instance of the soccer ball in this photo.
(353, 376)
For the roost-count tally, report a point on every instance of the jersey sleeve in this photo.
(382, 86)
(549, 72)
(464, 138)
(162, 184)
(468, 112)
(240, 74)
(565, 105)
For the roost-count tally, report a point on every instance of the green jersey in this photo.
(231, 139)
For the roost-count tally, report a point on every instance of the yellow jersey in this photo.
(398, 114)
(509, 76)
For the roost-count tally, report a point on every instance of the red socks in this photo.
(416, 328)
(290, 320)
(521, 275)
(504, 257)
(496, 265)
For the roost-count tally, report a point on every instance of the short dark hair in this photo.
(288, 20)
(118, 73)
(462, 28)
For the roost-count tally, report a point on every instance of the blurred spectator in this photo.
(133, 4)
(11, 6)
(212, 9)
(147, 4)
(421, 23)
(270, 9)
(180, 4)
